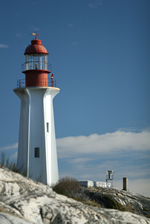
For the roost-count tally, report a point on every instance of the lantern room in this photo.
(36, 67)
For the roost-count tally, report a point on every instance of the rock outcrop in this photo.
(25, 201)
(120, 200)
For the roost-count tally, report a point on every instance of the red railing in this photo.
(22, 83)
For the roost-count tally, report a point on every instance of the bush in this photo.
(67, 186)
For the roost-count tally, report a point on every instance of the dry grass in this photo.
(11, 166)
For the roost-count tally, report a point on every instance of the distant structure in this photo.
(90, 183)
(37, 144)
(87, 183)
(109, 178)
(125, 183)
(97, 184)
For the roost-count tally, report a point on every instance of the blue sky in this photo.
(100, 56)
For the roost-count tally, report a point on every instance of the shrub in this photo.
(68, 186)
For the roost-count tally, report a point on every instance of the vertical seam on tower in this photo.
(28, 160)
(44, 108)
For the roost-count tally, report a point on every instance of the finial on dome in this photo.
(35, 34)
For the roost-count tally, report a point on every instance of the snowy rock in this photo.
(32, 202)
(9, 219)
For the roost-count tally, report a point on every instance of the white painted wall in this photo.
(90, 183)
(36, 112)
(23, 129)
(99, 184)
(87, 183)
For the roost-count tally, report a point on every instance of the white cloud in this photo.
(125, 152)
(102, 144)
(95, 3)
(14, 146)
(35, 28)
(34, 2)
(90, 169)
(88, 157)
(3, 46)
(80, 160)
(19, 34)
(95, 168)
(75, 43)
(70, 25)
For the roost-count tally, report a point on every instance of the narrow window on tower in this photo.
(47, 125)
(37, 152)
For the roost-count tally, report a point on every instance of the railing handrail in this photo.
(21, 83)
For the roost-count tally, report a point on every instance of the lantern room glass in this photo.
(36, 61)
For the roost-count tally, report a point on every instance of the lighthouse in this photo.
(37, 151)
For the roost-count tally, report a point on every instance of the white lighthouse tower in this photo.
(37, 143)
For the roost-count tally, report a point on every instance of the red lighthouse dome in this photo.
(36, 66)
(36, 47)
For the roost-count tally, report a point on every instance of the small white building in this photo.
(99, 184)
(96, 184)
(87, 183)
